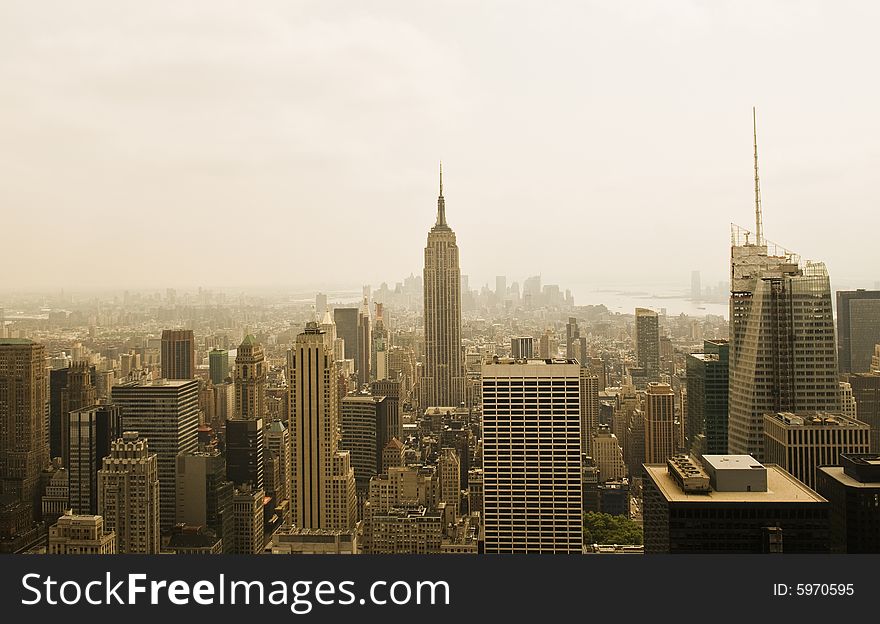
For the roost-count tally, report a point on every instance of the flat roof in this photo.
(157, 383)
(732, 462)
(837, 473)
(815, 419)
(781, 488)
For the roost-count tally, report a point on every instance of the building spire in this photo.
(759, 219)
(441, 203)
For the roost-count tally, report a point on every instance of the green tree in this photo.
(600, 528)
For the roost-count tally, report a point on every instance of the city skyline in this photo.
(148, 155)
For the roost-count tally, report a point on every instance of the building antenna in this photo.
(759, 219)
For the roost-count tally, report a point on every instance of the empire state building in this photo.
(442, 382)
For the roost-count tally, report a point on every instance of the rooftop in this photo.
(781, 487)
(815, 419)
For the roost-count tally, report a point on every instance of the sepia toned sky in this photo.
(275, 143)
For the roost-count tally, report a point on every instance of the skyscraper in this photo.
(659, 423)
(648, 343)
(522, 348)
(866, 392)
(323, 487)
(783, 356)
(24, 439)
(245, 430)
(218, 365)
(707, 388)
(443, 381)
(88, 433)
(166, 413)
(347, 328)
(204, 495)
(178, 354)
(128, 495)
(364, 345)
(79, 391)
(320, 305)
(532, 490)
(589, 385)
(858, 328)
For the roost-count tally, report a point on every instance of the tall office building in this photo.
(78, 391)
(24, 435)
(88, 434)
(449, 477)
(250, 380)
(648, 343)
(364, 345)
(278, 452)
(696, 286)
(218, 365)
(178, 354)
(379, 351)
(608, 455)
(800, 443)
(320, 305)
(532, 496)
(323, 488)
(165, 412)
(245, 430)
(707, 388)
(347, 328)
(660, 434)
(572, 339)
(248, 514)
(204, 495)
(443, 381)
(389, 413)
(858, 328)
(866, 392)
(364, 436)
(244, 452)
(522, 348)
(589, 408)
(128, 494)
(783, 356)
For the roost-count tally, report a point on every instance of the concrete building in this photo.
(128, 494)
(194, 540)
(296, 541)
(204, 495)
(363, 416)
(660, 432)
(647, 339)
(730, 504)
(24, 435)
(80, 535)
(165, 412)
(853, 490)
(608, 455)
(449, 477)
(443, 379)
(178, 349)
(532, 498)
(247, 511)
(589, 385)
(323, 493)
(400, 488)
(522, 348)
(364, 345)
(800, 443)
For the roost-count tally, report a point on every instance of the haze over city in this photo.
(290, 144)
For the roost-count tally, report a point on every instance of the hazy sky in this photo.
(221, 143)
